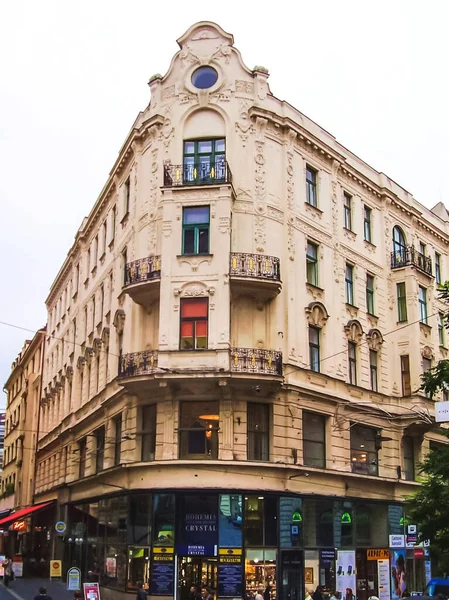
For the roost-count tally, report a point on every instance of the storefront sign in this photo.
(60, 527)
(327, 557)
(197, 550)
(383, 575)
(397, 541)
(441, 412)
(419, 552)
(19, 526)
(73, 579)
(198, 526)
(230, 579)
(163, 554)
(55, 568)
(345, 571)
(230, 555)
(378, 554)
(162, 576)
(17, 566)
(411, 539)
(91, 591)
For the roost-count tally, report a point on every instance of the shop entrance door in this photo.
(200, 571)
(291, 575)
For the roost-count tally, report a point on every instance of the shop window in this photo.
(204, 161)
(318, 522)
(114, 514)
(314, 439)
(291, 522)
(149, 432)
(230, 521)
(163, 520)
(408, 447)
(344, 524)
(364, 450)
(371, 525)
(114, 568)
(260, 571)
(194, 323)
(139, 528)
(99, 449)
(258, 418)
(198, 431)
(138, 567)
(254, 521)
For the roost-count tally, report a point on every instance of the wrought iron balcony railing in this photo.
(405, 256)
(256, 360)
(143, 270)
(137, 363)
(206, 173)
(255, 265)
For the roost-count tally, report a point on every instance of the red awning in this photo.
(24, 512)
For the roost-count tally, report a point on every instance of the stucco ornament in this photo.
(317, 314)
(119, 320)
(354, 331)
(374, 339)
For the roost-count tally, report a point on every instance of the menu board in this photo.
(162, 576)
(230, 580)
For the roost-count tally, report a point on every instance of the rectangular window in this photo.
(402, 302)
(347, 210)
(118, 439)
(194, 323)
(367, 213)
(312, 264)
(127, 196)
(349, 284)
(258, 433)
(423, 305)
(373, 369)
(422, 249)
(311, 194)
(370, 294)
(82, 451)
(198, 431)
(204, 161)
(149, 432)
(99, 449)
(113, 223)
(438, 268)
(408, 448)
(352, 362)
(195, 230)
(364, 449)
(405, 375)
(441, 337)
(104, 237)
(314, 348)
(124, 263)
(314, 439)
(426, 364)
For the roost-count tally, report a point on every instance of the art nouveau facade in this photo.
(234, 346)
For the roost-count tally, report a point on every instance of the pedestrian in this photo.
(194, 594)
(349, 595)
(259, 593)
(308, 595)
(42, 594)
(141, 593)
(318, 593)
(7, 571)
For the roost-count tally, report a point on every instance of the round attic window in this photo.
(204, 77)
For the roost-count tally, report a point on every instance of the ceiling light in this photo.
(209, 417)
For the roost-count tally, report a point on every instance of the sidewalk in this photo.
(26, 589)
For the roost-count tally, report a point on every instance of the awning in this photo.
(24, 512)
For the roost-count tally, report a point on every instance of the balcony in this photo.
(137, 364)
(255, 275)
(256, 360)
(143, 279)
(408, 256)
(206, 173)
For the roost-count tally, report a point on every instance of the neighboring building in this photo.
(2, 436)
(234, 349)
(21, 425)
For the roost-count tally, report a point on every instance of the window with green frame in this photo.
(195, 230)
(204, 161)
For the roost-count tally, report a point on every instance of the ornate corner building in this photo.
(234, 348)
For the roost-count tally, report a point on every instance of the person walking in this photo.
(42, 594)
(141, 593)
(7, 571)
(259, 593)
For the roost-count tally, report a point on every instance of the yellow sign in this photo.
(230, 551)
(19, 526)
(55, 568)
(163, 550)
(378, 554)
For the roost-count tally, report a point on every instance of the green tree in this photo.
(429, 507)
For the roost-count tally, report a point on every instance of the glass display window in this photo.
(140, 513)
(230, 521)
(138, 567)
(260, 573)
(164, 520)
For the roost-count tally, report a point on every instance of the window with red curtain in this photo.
(194, 323)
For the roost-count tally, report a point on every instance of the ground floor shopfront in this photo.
(237, 542)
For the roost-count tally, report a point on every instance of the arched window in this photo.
(399, 247)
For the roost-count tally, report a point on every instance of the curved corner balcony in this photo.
(205, 173)
(405, 256)
(136, 364)
(255, 275)
(256, 360)
(143, 280)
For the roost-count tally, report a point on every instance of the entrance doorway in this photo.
(200, 571)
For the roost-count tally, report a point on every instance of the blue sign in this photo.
(230, 580)
(198, 526)
(196, 550)
(162, 578)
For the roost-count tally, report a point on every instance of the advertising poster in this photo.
(55, 568)
(2, 570)
(383, 575)
(198, 526)
(17, 566)
(73, 579)
(345, 574)
(398, 574)
(91, 591)
(162, 573)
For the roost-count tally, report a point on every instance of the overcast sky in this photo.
(73, 76)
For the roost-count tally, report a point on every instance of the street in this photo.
(27, 589)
